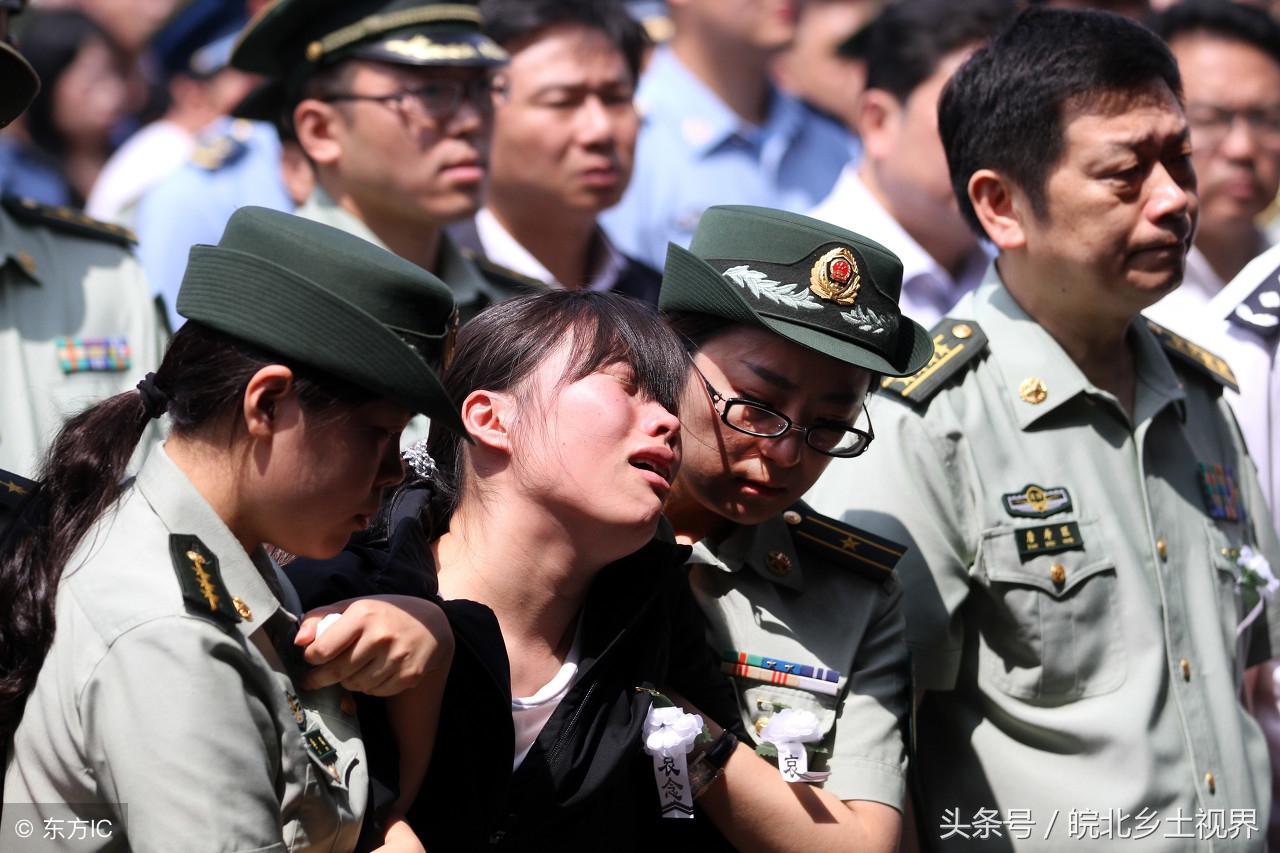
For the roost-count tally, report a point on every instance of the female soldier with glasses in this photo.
(790, 322)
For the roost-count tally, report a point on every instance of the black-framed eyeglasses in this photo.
(435, 99)
(752, 418)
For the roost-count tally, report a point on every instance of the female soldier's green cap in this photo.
(823, 287)
(328, 300)
(290, 36)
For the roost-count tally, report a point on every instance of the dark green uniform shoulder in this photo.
(956, 344)
(852, 548)
(508, 281)
(67, 221)
(203, 589)
(15, 491)
(1187, 354)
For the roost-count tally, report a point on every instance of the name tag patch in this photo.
(1049, 539)
(1037, 501)
(1221, 494)
(93, 355)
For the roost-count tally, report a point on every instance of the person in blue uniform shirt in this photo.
(716, 131)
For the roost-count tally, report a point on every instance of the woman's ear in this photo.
(262, 397)
(488, 415)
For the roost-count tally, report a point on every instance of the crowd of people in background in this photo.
(628, 283)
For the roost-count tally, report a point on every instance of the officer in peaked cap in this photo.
(392, 102)
(77, 322)
(790, 322)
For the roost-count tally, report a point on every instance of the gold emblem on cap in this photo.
(243, 609)
(962, 331)
(835, 277)
(778, 563)
(791, 517)
(1033, 391)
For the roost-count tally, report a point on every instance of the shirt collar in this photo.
(183, 510)
(500, 247)
(750, 547)
(705, 122)
(1023, 351)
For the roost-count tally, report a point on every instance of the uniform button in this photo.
(778, 563)
(1033, 390)
(962, 331)
(1058, 573)
(1162, 548)
(347, 704)
(791, 517)
(1185, 666)
(1210, 783)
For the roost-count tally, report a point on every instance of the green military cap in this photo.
(20, 83)
(290, 37)
(329, 300)
(823, 287)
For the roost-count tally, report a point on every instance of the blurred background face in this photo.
(1232, 92)
(89, 97)
(905, 152)
(810, 68)
(768, 25)
(565, 131)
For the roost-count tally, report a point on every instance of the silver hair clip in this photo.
(420, 461)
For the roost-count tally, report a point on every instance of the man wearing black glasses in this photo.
(392, 102)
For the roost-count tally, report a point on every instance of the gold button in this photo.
(25, 261)
(791, 517)
(1033, 391)
(962, 331)
(243, 609)
(315, 50)
(1058, 573)
(1185, 666)
(1162, 548)
(1210, 783)
(778, 563)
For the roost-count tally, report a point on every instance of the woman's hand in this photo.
(380, 645)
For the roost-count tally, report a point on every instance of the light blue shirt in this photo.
(236, 163)
(694, 152)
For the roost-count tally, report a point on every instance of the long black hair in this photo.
(204, 375)
(503, 345)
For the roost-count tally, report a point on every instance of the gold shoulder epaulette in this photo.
(67, 220)
(202, 587)
(216, 149)
(863, 552)
(955, 344)
(1194, 356)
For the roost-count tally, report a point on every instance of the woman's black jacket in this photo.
(586, 784)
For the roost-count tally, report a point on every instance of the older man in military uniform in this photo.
(392, 102)
(77, 322)
(1089, 564)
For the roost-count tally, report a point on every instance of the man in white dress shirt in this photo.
(1229, 57)
(900, 194)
